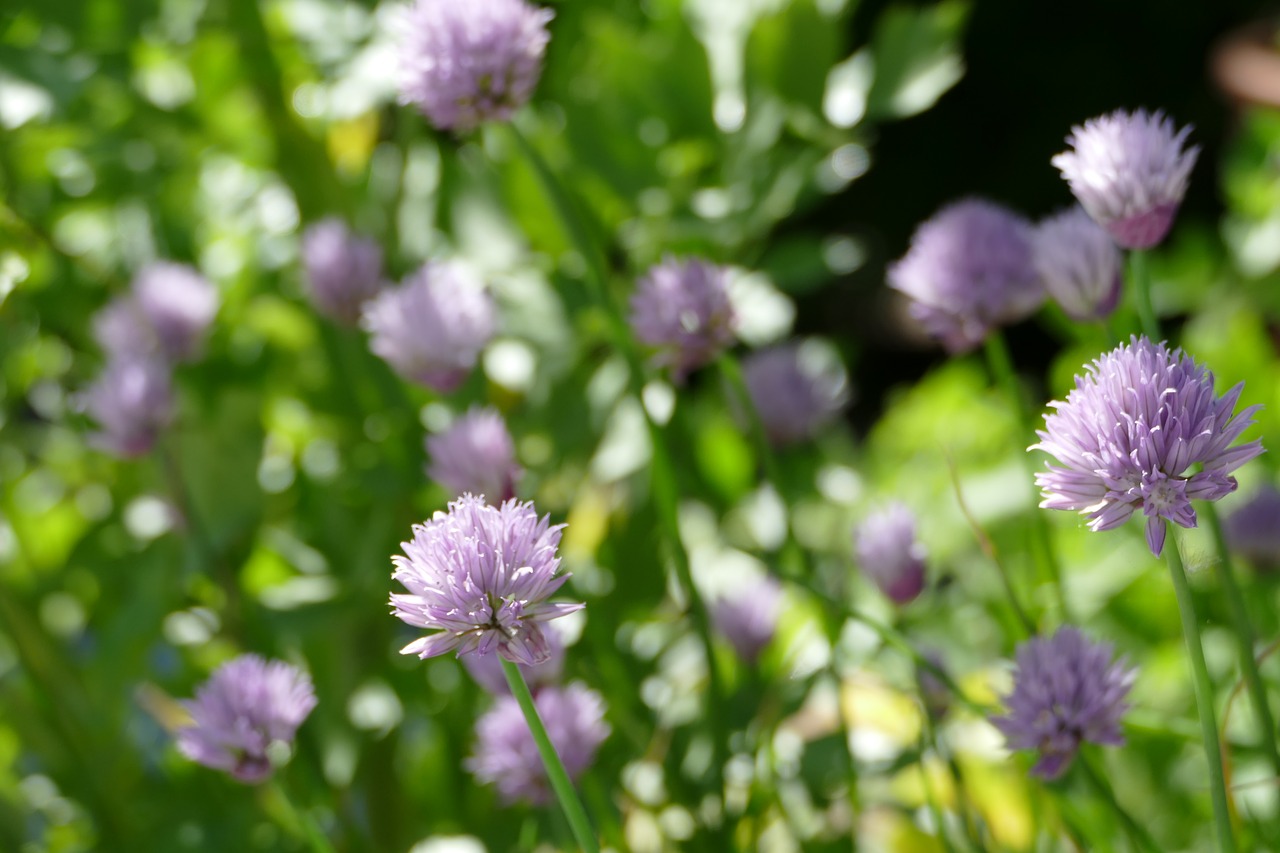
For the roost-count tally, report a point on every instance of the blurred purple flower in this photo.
(890, 554)
(466, 63)
(432, 328)
(480, 576)
(475, 454)
(682, 309)
(1130, 172)
(246, 705)
(1126, 436)
(168, 311)
(343, 269)
(505, 753)
(1253, 529)
(1066, 690)
(1080, 264)
(132, 402)
(969, 269)
(796, 389)
(748, 616)
(487, 669)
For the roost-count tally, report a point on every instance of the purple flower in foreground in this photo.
(167, 312)
(1081, 266)
(1253, 529)
(132, 401)
(796, 389)
(969, 270)
(480, 576)
(1130, 172)
(245, 706)
(432, 328)
(1066, 690)
(682, 309)
(748, 616)
(344, 270)
(1130, 430)
(505, 753)
(475, 454)
(890, 554)
(487, 669)
(466, 63)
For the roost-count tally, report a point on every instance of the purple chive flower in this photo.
(245, 706)
(1130, 430)
(480, 576)
(682, 309)
(1066, 690)
(167, 312)
(343, 269)
(432, 328)
(969, 269)
(1130, 172)
(890, 554)
(475, 454)
(796, 390)
(505, 753)
(487, 669)
(748, 616)
(466, 63)
(132, 402)
(1253, 529)
(1080, 264)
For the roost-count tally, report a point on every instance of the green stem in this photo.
(1137, 833)
(1245, 636)
(663, 472)
(1140, 280)
(300, 820)
(1001, 366)
(1204, 698)
(560, 783)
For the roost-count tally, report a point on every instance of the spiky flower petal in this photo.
(480, 576)
(1129, 433)
(1130, 172)
(245, 706)
(487, 669)
(506, 754)
(969, 269)
(1067, 690)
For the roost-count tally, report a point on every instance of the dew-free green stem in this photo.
(301, 820)
(1244, 635)
(1001, 366)
(1140, 280)
(662, 469)
(1137, 833)
(560, 782)
(1204, 697)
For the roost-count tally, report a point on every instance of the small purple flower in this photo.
(432, 328)
(969, 269)
(466, 63)
(487, 669)
(1130, 171)
(245, 706)
(797, 389)
(344, 270)
(480, 576)
(1080, 264)
(1253, 529)
(506, 755)
(475, 454)
(132, 402)
(167, 312)
(748, 616)
(1066, 691)
(1125, 438)
(682, 309)
(890, 554)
